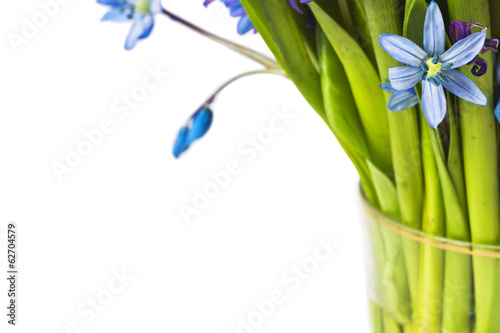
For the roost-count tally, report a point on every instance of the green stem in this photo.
(255, 56)
(377, 318)
(428, 317)
(405, 140)
(455, 158)
(480, 149)
(274, 71)
(457, 293)
(390, 325)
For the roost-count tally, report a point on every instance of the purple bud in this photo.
(491, 44)
(458, 30)
(295, 4)
(470, 25)
(479, 67)
(207, 2)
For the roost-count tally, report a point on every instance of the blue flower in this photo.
(237, 10)
(295, 4)
(197, 126)
(401, 99)
(141, 12)
(433, 67)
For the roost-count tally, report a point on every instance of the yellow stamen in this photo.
(143, 7)
(434, 69)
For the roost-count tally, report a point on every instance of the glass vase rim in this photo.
(444, 243)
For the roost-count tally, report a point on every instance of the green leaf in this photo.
(495, 12)
(340, 107)
(386, 192)
(364, 83)
(308, 36)
(395, 292)
(289, 38)
(254, 11)
(364, 173)
(346, 16)
(414, 20)
(458, 267)
(362, 30)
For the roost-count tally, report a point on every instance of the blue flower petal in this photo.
(433, 103)
(244, 25)
(230, 3)
(388, 87)
(118, 14)
(404, 77)
(112, 3)
(402, 100)
(497, 111)
(463, 87)
(201, 122)
(147, 25)
(181, 143)
(497, 59)
(135, 33)
(434, 31)
(402, 49)
(156, 7)
(236, 11)
(465, 50)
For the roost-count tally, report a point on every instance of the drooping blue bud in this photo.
(197, 126)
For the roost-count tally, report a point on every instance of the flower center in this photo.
(434, 68)
(434, 71)
(143, 6)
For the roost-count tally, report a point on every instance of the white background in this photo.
(119, 209)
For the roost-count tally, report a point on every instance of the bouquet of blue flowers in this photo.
(409, 89)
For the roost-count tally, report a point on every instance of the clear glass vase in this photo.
(420, 283)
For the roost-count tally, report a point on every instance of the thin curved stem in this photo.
(275, 71)
(255, 56)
